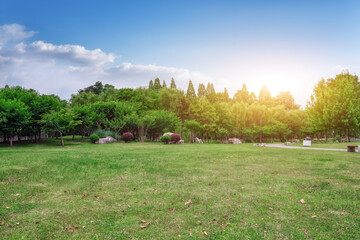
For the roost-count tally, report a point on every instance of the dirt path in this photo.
(308, 148)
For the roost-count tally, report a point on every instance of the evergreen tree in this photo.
(157, 84)
(151, 85)
(265, 96)
(242, 95)
(164, 84)
(190, 91)
(201, 90)
(226, 93)
(173, 85)
(210, 93)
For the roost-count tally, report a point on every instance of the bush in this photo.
(127, 137)
(165, 139)
(94, 138)
(175, 137)
(337, 137)
(104, 133)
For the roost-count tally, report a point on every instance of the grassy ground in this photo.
(329, 145)
(86, 191)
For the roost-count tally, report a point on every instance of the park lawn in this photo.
(87, 191)
(335, 145)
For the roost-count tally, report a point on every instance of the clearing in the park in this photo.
(157, 191)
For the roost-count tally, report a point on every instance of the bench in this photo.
(351, 148)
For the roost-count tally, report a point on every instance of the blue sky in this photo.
(287, 45)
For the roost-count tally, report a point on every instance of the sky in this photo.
(62, 46)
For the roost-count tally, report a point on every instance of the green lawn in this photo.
(87, 191)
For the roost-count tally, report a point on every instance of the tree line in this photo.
(332, 111)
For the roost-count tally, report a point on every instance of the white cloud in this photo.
(137, 74)
(13, 32)
(63, 69)
(73, 53)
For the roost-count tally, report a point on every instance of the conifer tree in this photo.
(210, 92)
(265, 96)
(151, 85)
(157, 84)
(190, 91)
(173, 85)
(164, 84)
(226, 94)
(201, 90)
(242, 95)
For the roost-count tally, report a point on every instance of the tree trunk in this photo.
(11, 142)
(82, 137)
(181, 129)
(326, 138)
(62, 140)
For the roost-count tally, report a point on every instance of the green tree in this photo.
(210, 93)
(151, 85)
(173, 85)
(193, 127)
(182, 108)
(164, 84)
(265, 96)
(155, 122)
(97, 88)
(14, 116)
(287, 100)
(157, 84)
(190, 91)
(242, 95)
(62, 121)
(86, 116)
(201, 90)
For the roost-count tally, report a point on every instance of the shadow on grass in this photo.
(55, 142)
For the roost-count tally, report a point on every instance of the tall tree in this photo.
(173, 85)
(157, 84)
(210, 93)
(201, 90)
(190, 91)
(164, 84)
(287, 100)
(265, 96)
(242, 95)
(182, 108)
(151, 85)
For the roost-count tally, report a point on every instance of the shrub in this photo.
(104, 133)
(165, 139)
(94, 138)
(127, 137)
(175, 137)
(337, 137)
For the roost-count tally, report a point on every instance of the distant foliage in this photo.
(165, 139)
(175, 137)
(210, 115)
(94, 138)
(127, 137)
(104, 133)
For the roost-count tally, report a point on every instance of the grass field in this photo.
(87, 191)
